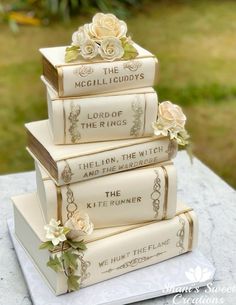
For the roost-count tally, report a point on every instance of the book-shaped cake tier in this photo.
(109, 252)
(115, 116)
(116, 200)
(72, 163)
(93, 77)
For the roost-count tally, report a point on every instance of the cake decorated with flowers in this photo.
(106, 199)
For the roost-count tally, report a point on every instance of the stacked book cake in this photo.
(106, 199)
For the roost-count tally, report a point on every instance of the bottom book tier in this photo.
(110, 252)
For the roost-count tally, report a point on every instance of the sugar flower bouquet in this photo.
(66, 245)
(171, 122)
(105, 38)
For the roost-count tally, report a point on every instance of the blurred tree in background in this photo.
(35, 12)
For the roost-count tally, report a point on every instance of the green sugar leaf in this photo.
(70, 259)
(46, 245)
(72, 53)
(80, 245)
(129, 51)
(55, 264)
(123, 41)
(73, 282)
(72, 48)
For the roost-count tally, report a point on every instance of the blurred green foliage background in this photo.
(195, 42)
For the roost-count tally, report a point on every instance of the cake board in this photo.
(146, 283)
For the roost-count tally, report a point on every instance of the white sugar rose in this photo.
(79, 37)
(89, 49)
(111, 49)
(79, 224)
(171, 116)
(107, 25)
(55, 232)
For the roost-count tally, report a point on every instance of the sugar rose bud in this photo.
(111, 49)
(79, 224)
(107, 25)
(171, 115)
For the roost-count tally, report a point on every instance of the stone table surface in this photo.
(214, 202)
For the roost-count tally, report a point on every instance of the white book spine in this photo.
(107, 77)
(111, 161)
(102, 118)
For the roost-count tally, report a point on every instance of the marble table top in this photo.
(209, 195)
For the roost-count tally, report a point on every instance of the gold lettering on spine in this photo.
(165, 205)
(134, 262)
(59, 204)
(190, 240)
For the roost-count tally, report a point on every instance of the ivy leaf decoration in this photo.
(73, 282)
(79, 245)
(129, 51)
(65, 256)
(72, 53)
(46, 245)
(55, 264)
(70, 259)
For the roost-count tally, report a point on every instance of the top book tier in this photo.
(97, 75)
